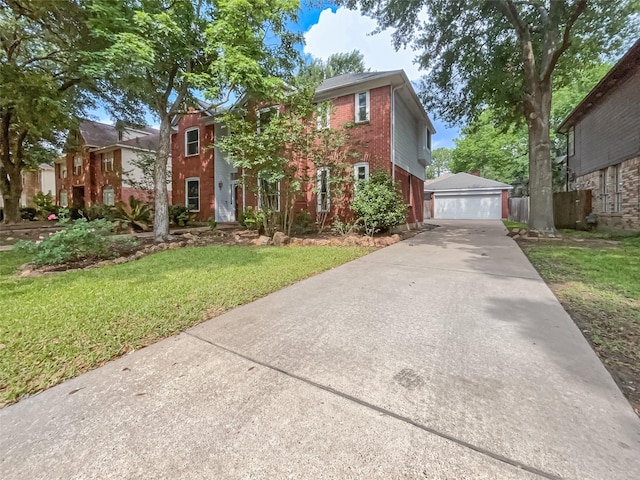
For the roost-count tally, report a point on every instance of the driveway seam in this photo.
(454, 270)
(364, 403)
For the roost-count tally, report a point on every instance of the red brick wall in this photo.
(412, 189)
(199, 166)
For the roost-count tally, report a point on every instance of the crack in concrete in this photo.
(407, 420)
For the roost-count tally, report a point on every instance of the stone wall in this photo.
(628, 216)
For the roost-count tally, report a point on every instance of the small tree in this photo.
(378, 203)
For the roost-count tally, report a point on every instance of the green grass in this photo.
(57, 326)
(598, 282)
(509, 224)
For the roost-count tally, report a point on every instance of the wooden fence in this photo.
(570, 209)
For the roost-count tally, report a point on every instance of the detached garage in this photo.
(467, 197)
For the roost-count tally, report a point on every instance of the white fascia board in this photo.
(468, 191)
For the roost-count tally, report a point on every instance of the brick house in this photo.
(387, 123)
(98, 167)
(603, 144)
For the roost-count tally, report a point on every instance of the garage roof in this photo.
(465, 181)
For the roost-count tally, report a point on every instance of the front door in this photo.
(77, 197)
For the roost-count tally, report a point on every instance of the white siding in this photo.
(130, 156)
(408, 139)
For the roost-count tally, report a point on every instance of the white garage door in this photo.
(469, 207)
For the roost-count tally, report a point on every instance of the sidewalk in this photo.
(442, 357)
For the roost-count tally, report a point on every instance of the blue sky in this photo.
(329, 29)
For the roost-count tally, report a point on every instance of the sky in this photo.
(330, 29)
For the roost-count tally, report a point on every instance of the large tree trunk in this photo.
(161, 215)
(538, 112)
(11, 184)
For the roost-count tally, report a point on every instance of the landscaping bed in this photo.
(596, 277)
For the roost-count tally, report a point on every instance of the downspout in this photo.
(393, 129)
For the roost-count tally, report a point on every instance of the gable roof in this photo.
(145, 142)
(348, 79)
(465, 181)
(622, 70)
(102, 135)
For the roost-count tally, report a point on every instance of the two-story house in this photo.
(387, 123)
(603, 144)
(101, 165)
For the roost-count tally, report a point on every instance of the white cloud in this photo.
(346, 30)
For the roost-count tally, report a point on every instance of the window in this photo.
(429, 139)
(571, 142)
(64, 198)
(192, 194)
(63, 171)
(269, 195)
(324, 201)
(323, 116)
(77, 165)
(108, 196)
(107, 162)
(362, 107)
(192, 141)
(361, 171)
(265, 115)
(617, 175)
(604, 189)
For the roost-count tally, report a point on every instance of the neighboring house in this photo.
(468, 197)
(603, 144)
(35, 181)
(387, 123)
(99, 165)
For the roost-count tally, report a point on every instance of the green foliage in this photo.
(98, 211)
(338, 227)
(440, 162)
(44, 205)
(77, 240)
(136, 215)
(251, 218)
(179, 215)
(302, 222)
(212, 223)
(316, 70)
(378, 204)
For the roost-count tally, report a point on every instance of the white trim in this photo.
(107, 158)
(186, 142)
(186, 192)
(327, 203)
(105, 189)
(357, 107)
(358, 165)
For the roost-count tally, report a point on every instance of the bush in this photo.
(302, 222)
(378, 203)
(179, 215)
(28, 213)
(96, 212)
(136, 215)
(251, 218)
(77, 240)
(338, 227)
(44, 205)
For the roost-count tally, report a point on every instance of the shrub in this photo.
(338, 227)
(179, 215)
(77, 240)
(378, 203)
(212, 223)
(251, 218)
(302, 222)
(96, 212)
(136, 215)
(28, 213)
(44, 204)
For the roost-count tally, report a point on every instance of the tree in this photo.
(287, 152)
(171, 50)
(505, 54)
(496, 151)
(440, 162)
(40, 86)
(317, 70)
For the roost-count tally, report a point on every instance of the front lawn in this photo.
(58, 326)
(596, 277)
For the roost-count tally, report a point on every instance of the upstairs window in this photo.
(323, 116)
(63, 170)
(265, 116)
(362, 107)
(108, 196)
(428, 139)
(77, 165)
(324, 201)
(571, 142)
(192, 141)
(192, 194)
(107, 162)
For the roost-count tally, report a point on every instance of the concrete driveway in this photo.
(442, 357)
